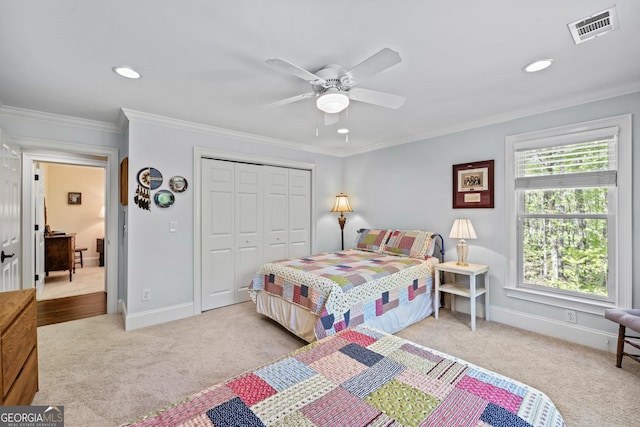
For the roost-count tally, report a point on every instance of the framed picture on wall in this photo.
(74, 198)
(473, 185)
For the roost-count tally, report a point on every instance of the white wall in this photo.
(410, 186)
(162, 261)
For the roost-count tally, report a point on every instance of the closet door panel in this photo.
(299, 213)
(218, 284)
(249, 226)
(276, 213)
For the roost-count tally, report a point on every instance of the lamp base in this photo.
(342, 220)
(462, 250)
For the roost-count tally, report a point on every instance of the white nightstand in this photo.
(470, 291)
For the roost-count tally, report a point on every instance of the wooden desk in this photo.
(100, 250)
(59, 253)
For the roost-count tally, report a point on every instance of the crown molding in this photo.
(155, 119)
(58, 119)
(540, 108)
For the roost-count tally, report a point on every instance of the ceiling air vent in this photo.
(594, 25)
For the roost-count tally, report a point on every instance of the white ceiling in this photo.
(204, 61)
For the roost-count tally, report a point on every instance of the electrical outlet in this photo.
(146, 294)
(570, 316)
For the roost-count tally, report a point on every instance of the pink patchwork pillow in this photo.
(372, 240)
(413, 244)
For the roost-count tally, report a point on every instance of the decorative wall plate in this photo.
(150, 178)
(164, 198)
(178, 184)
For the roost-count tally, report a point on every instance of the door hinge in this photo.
(37, 277)
(36, 227)
(36, 177)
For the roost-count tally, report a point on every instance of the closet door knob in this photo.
(3, 256)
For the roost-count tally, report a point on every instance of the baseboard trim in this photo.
(158, 316)
(122, 309)
(566, 331)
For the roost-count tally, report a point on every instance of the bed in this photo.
(385, 281)
(360, 377)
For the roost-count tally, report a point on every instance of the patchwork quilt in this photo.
(364, 377)
(345, 288)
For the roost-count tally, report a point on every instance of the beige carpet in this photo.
(86, 280)
(104, 376)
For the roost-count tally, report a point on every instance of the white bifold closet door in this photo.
(251, 214)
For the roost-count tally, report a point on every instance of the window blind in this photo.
(572, 165)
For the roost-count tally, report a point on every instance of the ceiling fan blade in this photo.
(301, 73)
(375, 97)
(291, 100)
(376, 63)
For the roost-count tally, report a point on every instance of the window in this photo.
(570, 193)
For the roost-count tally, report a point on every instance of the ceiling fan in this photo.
(334, 87)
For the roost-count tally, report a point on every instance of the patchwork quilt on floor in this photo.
(364, 377)
(345, 288)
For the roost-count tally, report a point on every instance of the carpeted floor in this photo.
(105, 376)
(86, 280)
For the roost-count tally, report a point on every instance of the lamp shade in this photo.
(332, 101)
(462, 229)
(342, 204)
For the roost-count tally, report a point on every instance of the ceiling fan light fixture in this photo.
(332, 101)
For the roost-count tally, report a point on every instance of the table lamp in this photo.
(462, 229)
(342, 205)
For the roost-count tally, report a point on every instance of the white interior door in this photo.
(249, 226)
(10, 209)
(218, 234)
(276, 213)
(299, 213)
(38, 232)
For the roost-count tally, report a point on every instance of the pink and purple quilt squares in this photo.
(362, 377)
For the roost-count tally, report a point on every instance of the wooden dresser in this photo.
(59, 253)
(18, 347)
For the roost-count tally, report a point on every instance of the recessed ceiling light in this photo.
(538, 65)
(127, 72)
(343, 131)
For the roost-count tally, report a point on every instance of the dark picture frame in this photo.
(473, 185)
(74, 198)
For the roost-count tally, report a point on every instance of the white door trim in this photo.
(198, 154)
(63, 152)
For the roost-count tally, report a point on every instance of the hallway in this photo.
(63, 301)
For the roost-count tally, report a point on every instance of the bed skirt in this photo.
(301, 322)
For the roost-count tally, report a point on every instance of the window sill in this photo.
(563, 301)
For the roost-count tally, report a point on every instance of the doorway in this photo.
(69, 199)
(69, 211)
(105, 158)
(73, 205)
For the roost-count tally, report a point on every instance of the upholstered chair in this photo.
(626, 319)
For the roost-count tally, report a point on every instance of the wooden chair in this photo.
(627, 319)
(78, 258)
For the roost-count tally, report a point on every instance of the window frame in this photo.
(620, 243)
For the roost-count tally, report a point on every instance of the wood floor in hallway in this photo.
(71, 308)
